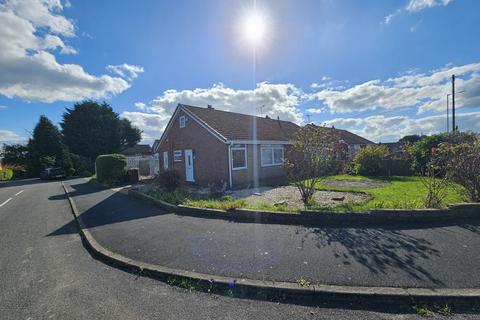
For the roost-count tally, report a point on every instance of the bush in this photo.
(464, 166)
(422, 151)
(368, 161)
(111, 168)
(6, 174)
(170, 180)
(82, 166)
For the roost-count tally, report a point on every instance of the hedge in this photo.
(111, 168)
(6, 174)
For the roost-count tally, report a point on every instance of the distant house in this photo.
(396, 149)
(137, 150)
(210, 146)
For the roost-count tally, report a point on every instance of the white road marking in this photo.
(18, 192)
(4, 203)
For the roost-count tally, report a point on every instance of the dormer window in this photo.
(182, 121)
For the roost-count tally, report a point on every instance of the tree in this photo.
(46, 148)
(14, 154)
(131, 135)
(312, 157)
(464, 166)
(91, 129)
(411, 139)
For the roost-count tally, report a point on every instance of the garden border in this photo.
(453, 212)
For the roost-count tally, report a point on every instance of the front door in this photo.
(165, 160)
(189, 165)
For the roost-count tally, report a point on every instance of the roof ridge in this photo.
(238, 113)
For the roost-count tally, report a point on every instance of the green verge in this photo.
(402, 193)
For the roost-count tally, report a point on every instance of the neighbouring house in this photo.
(210, 146)
(396, 149)
(137, 150)
(354, 142)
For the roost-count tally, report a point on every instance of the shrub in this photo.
(422, 151)
(6, 174)
(464, 167)
(169, 180)
(111, 168)
(368, 161)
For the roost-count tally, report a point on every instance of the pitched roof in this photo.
(238, 126)
(143, 149)
(352, 138)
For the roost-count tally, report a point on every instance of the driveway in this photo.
(398, 255)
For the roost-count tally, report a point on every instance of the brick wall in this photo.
(210, 154)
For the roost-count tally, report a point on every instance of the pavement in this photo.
(417, 256)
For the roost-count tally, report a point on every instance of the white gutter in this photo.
(230, 165)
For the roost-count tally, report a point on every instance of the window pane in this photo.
(266, 156)
(238, 158)
(277, 156)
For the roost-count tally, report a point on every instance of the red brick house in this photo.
(208, 146)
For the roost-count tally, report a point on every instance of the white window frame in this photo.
(237, 147)
(182, 120)
(177, 156)
(272, 147)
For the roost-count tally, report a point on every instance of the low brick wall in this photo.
(317, 218)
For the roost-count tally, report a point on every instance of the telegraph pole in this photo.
(454, 128)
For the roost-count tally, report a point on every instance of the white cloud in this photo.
(140, 106)
(31, 30)
(415, 6)
(3, 107)
(151, 124)
(418, 5)
(9, 137)
(386, 129)
(427, 91)
(280, 100)
(126, 71)
(315, 110)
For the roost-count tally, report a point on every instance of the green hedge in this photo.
(111, 168)
(6, 174)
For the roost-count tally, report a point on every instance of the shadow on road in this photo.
(105, 208)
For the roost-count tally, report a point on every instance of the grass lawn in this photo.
(401, 193)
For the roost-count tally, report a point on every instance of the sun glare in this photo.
(254, 28)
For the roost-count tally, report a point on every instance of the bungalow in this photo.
(209, 146)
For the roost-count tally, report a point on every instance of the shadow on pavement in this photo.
(107, 208)
(382, 251)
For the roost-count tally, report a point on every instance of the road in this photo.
(46, 274)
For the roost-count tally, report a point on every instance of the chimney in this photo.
(209, 106)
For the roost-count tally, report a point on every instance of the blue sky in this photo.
(378, 68)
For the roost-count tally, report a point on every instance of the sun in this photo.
(254, 28)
